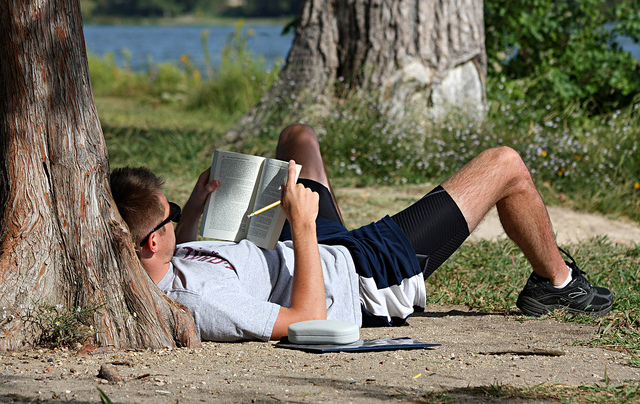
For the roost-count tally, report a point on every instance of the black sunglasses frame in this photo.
(175, 214)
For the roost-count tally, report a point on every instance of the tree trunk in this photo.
(62, 239)
(419, 56)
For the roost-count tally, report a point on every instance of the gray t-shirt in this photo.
(235, 290)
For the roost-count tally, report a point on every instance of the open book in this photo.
(247, 183)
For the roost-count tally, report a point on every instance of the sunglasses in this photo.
(175, 214)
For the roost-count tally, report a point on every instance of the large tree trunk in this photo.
(419, 56)
(62, 239)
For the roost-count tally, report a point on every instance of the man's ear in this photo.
(152, 243)
(150, 247)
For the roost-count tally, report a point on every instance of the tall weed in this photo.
(239, 82)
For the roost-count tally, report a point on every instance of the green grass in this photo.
(488, 276)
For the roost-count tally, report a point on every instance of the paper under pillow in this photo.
(323, 332)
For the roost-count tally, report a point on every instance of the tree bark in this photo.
(62, 239)
(417, 56)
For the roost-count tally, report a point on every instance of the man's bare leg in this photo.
(300, 143)
(499, 177)
(496, 177)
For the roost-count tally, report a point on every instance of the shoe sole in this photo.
(531, 307)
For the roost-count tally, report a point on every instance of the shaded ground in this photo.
(477, 349)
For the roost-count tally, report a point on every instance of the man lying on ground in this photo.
(371, 276)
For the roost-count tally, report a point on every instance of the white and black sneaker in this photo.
(540, 297)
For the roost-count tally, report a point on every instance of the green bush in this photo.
(567, 48)
(592, 162)
(163, 82)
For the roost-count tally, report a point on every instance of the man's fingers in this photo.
(212, 186)
(204, 176)
(291, 180)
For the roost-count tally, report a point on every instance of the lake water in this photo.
(627, 44)
(158, 44)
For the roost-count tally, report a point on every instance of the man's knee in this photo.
(508, 164)
(299, 142)
(298, 133)
(505, 159)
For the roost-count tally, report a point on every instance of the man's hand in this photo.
(187, 229)
(300, 204)
(308, 298)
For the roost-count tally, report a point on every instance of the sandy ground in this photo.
(477, 349)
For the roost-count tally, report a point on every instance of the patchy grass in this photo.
(498, 393)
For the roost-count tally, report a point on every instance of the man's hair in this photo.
(136, 193)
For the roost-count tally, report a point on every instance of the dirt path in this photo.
(361, 205)
(570, 226)
(478, 349)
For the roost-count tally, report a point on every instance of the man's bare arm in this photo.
(308, 299)
(187, 229)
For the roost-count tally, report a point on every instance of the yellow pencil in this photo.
(257, 212)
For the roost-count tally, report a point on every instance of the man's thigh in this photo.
(435, 227)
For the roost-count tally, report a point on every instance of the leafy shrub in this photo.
(164, 82)
(593, 159)
(568, 48)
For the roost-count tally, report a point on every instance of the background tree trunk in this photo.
(419, 56)
(62, 239)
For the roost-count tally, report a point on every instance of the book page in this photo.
(265, 228)
(225, 214)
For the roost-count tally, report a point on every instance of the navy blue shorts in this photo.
(434, 225)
